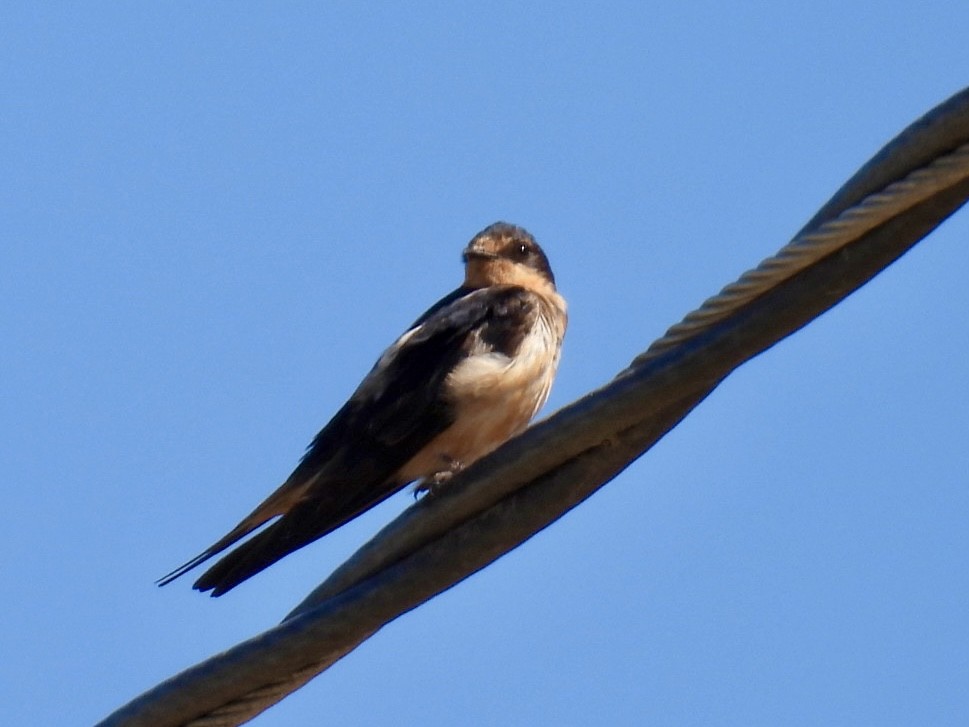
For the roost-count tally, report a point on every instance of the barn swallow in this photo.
(467, 375)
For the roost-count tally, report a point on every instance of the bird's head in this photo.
(503, 254)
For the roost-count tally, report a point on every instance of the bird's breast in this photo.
(494, 396)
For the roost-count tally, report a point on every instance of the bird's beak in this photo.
(473, 252)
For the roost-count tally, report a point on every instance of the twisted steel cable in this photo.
(806, 249)
(500, 501)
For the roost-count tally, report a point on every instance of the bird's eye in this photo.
(522, 250)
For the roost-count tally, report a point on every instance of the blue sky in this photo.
(213, 219)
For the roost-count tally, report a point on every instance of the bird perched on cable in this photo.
(467, 375)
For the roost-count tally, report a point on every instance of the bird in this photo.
(467, 375)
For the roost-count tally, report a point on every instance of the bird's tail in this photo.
(237, 533)
(299, 527)
(278, 503)
(250, 558)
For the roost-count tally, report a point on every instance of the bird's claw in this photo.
(433, 484)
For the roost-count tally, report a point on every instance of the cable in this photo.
(497, 503)
(806, 249)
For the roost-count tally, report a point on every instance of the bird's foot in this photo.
(432, 485)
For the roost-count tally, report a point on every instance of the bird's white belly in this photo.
(495, 397)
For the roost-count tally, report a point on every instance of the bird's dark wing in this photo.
(399, 408)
